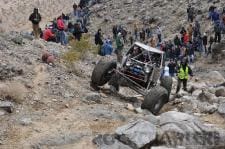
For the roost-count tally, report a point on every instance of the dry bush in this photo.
(13, 91)
(79, 49)
(75, 69)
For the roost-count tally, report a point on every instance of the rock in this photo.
(8, 71)
(152, 119)
(2, 112)
(196, 93)
(93, 97)
(214, 77)
(68, 94)
(207, 97)
(221, 109)
(128, 2)
(164, 147)
(212, 90)
(45, 56)
(27, 35)
(138, 110)
(18, 40)
(137, 134)
(207, 108)
(130, 107)
(7, 106)
(109, 142)
(180, 129)
(217, 50)
(25, 121)
(50, 59)
(220, 92)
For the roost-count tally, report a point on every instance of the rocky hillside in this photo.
(14, 14)
(169, 14)
(53, 106)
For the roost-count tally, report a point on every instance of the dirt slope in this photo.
(14, 14)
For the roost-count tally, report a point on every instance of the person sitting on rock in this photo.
(107, 48)
(48, 35)
(183, 71)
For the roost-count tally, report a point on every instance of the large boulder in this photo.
(180, 129)
(214, 77)
(109, 142)
(137, 134)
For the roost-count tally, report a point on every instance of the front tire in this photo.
(102, 73)
(155, 99)
(167, 83)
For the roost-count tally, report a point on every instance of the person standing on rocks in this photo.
(190, 12)
(35, 18)
(131, 39)
(119, 47)
(183, 72)
(190, 31)
(159, 34)
(61, 27)
(217, 30)
(172, 66)
(177, 41)
(98, 40)
(205, 42)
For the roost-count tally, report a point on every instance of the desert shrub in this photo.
(12, 91)
(79, 49)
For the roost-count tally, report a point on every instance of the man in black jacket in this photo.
(205, 42)
(98, 40)
(35, 18)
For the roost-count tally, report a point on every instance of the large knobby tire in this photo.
(155, 99)
(167, 83)
(102, 73)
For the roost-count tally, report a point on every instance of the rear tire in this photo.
(167, 83)
(102, 73)
(155, 99)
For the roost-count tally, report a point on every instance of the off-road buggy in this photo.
(141, 71)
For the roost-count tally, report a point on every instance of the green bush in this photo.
(79, 49)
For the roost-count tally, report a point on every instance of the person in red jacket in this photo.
(186, 38)
(49, 35)
(61, 27)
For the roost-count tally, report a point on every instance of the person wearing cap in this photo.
(35, 18)
(183, 72)
(119, 47)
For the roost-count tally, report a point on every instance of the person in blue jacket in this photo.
(107, 48)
